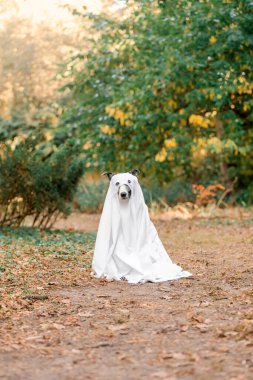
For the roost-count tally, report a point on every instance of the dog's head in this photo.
(123, 183)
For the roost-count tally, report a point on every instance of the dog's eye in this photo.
(129, 181)
(117, 183)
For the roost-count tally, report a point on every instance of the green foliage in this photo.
(45, 242)
(90, 196)
(35, 183)
(30, 256)
(168, 89)
(19, 127)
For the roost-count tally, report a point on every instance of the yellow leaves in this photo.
(246, 107)
(199, 121)
(107, 130)
(116, 113)
(109, 110)
(213, 40)
(211, 95)
(245, 67)
(247, 88)
(215, 145)
(211, 145)
(170, 143)
(17, 199)
(172, 103)
(211, 114)
(48, 136)
(16, 141)
(242, 79)
(87, 145)
(233, 26)
(180, 90)
(198, 151)
(119, 115)
(161, 156)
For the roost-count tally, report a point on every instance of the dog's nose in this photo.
(123, 195)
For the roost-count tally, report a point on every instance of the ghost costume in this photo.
(127, 244)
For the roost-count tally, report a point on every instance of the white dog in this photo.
(127, 244)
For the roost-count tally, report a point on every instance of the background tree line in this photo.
(163, 86)
(168, 88)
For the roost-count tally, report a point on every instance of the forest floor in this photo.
(58, 322)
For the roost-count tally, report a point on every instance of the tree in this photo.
(168, 89)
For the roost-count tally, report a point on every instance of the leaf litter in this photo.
(70, 323)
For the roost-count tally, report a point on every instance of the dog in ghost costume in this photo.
(128, 246)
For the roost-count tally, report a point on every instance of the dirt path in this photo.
(191, 329)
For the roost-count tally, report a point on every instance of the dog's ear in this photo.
(109, 175)
(135, 172)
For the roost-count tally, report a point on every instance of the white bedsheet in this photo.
(127, 243)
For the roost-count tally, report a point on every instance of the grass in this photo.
(31, 260)
(53, 241)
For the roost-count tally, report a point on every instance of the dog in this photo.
(127, 245)
(124, 190)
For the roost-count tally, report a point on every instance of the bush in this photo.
(36, 183)
(90, 195)
(168, 89)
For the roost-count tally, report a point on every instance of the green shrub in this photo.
(37, 181)
(90, 196)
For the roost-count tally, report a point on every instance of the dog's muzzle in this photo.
(124, 192)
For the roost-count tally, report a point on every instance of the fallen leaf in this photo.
(165, 297)
(162, 375)
(184, 328)
(58, 326)
(117, 327)
(198, 318)
(203, 327)
(36, 297)
(163, 289)
(86, 314)
(35, 337)
(66, 301)
(101, 344)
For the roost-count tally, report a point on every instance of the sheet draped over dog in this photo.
(127, 244)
